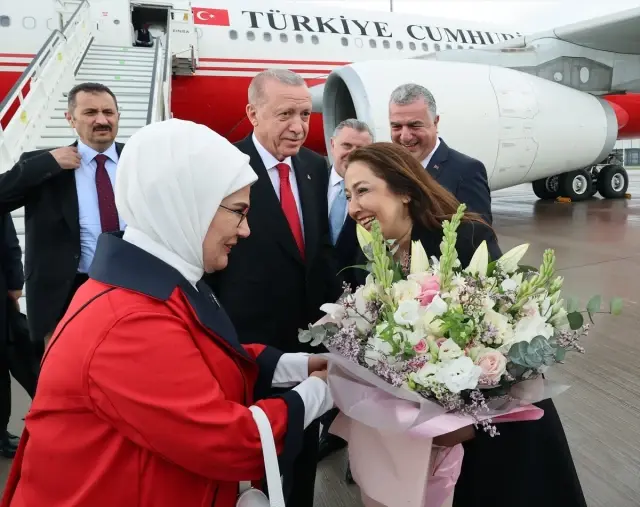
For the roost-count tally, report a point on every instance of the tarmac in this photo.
(597, 245)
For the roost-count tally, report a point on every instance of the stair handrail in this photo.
(155, 94)
(43, 76)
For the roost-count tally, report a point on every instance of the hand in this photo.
(456, 437)
(317, 363)
(321, 374)
(67, 157)
(15, 294)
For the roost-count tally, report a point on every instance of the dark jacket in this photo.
(52, 233)
(11, 271)
(464, 177)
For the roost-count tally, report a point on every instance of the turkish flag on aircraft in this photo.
(218, 17)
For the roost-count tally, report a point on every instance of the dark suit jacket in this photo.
(346, 251)
(470, 236)
(52, 233)
(11, 272)
(267, 289)
(464, 177)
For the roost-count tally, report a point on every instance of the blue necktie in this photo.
(336, 215)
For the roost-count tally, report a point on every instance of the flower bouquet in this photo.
(427, 347)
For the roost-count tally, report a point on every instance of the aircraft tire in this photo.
(613, 182)
(546, 188)
(576, 185)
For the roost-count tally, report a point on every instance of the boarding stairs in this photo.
(32, 114)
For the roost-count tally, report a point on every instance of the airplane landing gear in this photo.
(611, 181)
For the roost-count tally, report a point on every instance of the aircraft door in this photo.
(183, 34)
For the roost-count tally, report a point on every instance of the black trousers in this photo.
(5, 381)
(303, 477)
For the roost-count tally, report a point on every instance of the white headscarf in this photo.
(171, 178)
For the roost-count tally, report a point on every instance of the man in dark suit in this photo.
(68, 198)
(279, 276)
(414, 124)
(11, 282)
(349, 135)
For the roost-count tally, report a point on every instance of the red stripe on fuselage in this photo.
(271, 62)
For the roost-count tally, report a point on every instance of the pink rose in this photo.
(493, 365)
(430, 287)
(421, 347)
(440, 341)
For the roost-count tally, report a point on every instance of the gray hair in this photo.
(284, 76)
(352, 123)
(408, 93)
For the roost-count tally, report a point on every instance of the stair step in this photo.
(55, 142)
(124, 49)
(115, 60)
(127, 111)
(119, 88)
(114, 76)
(120, 54)
(121, 65)
(124, 99)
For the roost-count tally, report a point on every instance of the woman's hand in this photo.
(455, 437)
(317, 364)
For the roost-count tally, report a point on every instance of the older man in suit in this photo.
(279, 276)
(413, 118)
(67, 193)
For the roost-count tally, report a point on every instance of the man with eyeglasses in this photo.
(278, 277)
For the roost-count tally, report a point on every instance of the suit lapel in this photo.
(69, 200)
(435, 165)
(266, 210)
(308, 205)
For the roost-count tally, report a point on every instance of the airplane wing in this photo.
(617, 33)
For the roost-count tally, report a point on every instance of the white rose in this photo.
(404, 290)
(449, 350)
(408, 313)
(459, 374)
(437, 306)
(426, 373)
(508, 285)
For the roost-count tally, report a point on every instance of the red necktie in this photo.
(289, 207)
(106, 199)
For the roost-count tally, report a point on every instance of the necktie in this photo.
(106, 199)
(289, 207)
(336, 214)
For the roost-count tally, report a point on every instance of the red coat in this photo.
(141, 404)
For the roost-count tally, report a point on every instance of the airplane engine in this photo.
(522, 127)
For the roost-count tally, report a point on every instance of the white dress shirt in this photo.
(332, 191)
(88, 209)
(270, 162)
(426, 161)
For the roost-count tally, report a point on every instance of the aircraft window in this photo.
(385, 44)
(372, 43)
(437, 47)
(29, 23)
(299, 39)
(233, 35)
(251, 35)
(399, 44)
(5, 21)
(283, 37)
(266, 36)
(344, 41)
(412, 46)
(314, 39)
(460, 46)
(449, 46)
(425, 46)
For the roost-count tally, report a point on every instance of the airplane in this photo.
(545, 108)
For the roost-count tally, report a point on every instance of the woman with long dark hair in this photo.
(530, 461)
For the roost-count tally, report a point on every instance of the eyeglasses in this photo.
(243, 214)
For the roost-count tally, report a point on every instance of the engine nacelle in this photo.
(520, 126)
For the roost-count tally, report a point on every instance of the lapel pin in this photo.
(436, 167)
(309, 176)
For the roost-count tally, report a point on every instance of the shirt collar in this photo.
(88, 154)
(426, 161)
(334, 178)
(268, 159)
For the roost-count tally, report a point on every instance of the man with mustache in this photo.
(414, 124)
(67, 193)
(278, 277)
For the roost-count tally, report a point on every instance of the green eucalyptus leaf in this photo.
(560, 354)
(572, 305)
(576, 320)
(615, 306)
(593, 306)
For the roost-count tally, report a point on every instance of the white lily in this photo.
(419, 259)
(480, 261)
(509, 261)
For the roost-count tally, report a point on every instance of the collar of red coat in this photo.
(119, 263)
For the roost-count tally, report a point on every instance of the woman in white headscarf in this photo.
(144, 392)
